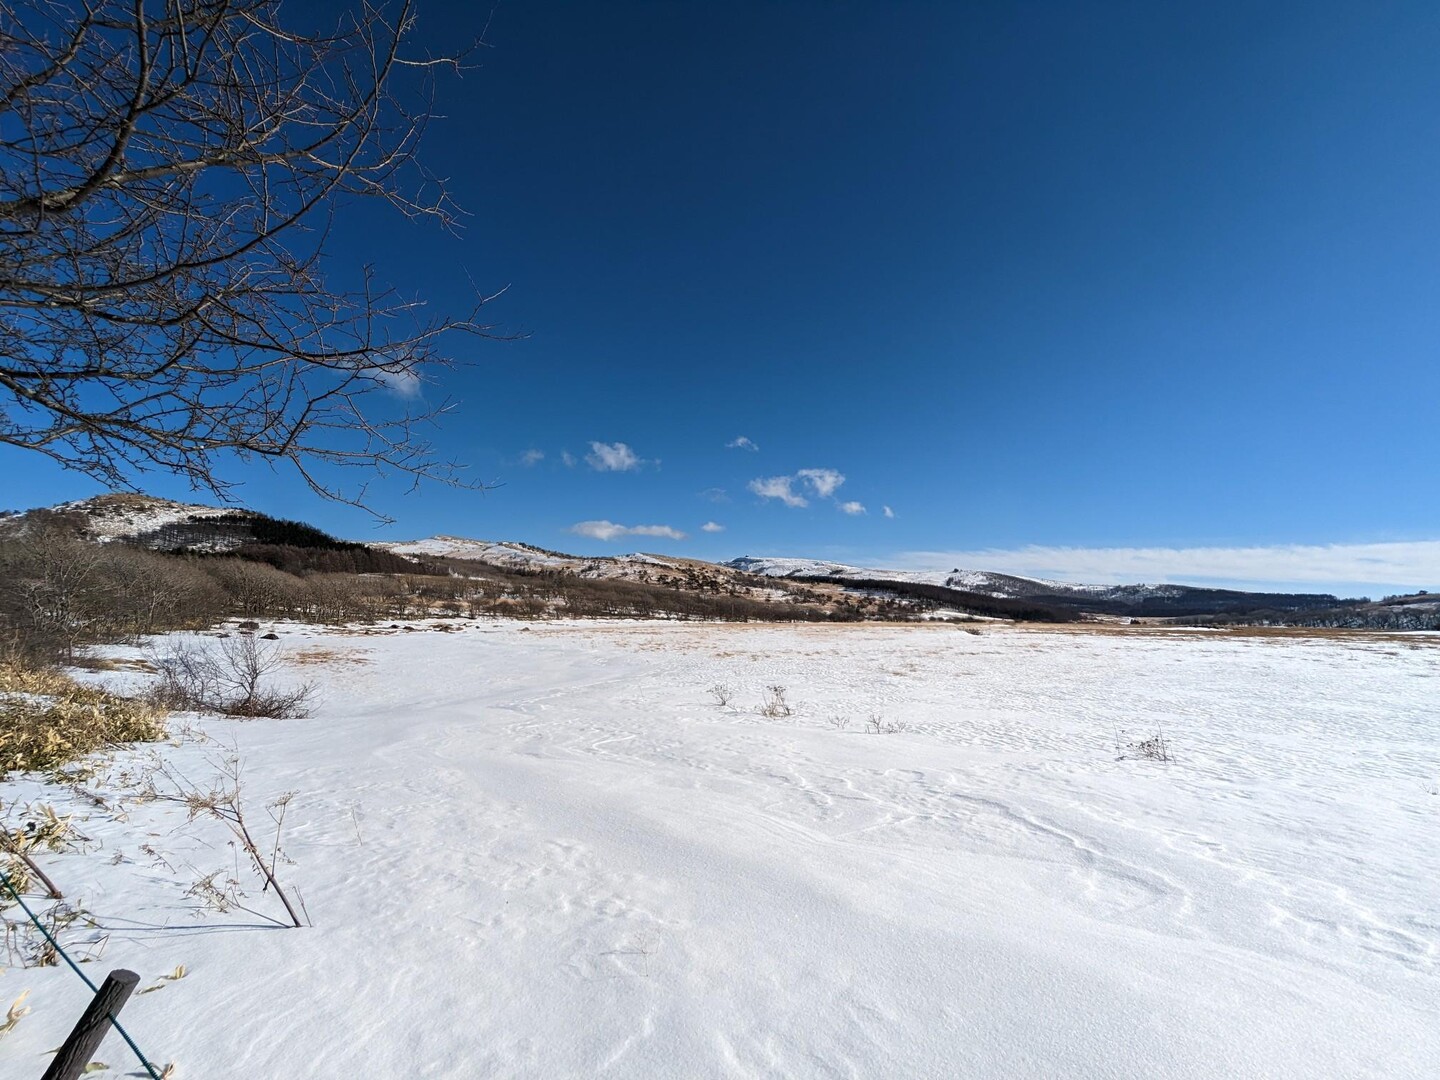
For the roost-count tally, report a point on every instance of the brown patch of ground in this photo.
(113, 663)
(327, 656)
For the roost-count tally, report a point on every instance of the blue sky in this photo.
(1050, 281)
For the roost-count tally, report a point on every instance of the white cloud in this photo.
(1374, 568)
(823, 481)
(608, 530)
(741, 442)
(852, 508)
(532, 457)
(778, 487)
(715, 495)
(612, 457)
(888, 512)
(712, 527)
(567, 459)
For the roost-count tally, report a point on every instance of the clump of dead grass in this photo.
(48, 720)
(1154, 747)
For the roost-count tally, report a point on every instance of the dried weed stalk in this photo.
(223, 801)
(773, 705)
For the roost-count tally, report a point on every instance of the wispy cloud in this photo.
(1320, 567)
(567, 459)
(712, 527)
(741, 442)
(824, 482)
(715, 495)
(532, 457)
(778, 487)
(888, 512)
(852, 508)
(612, 457)
(608, 530)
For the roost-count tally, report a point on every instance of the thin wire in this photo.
(76, 968)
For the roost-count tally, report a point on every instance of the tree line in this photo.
(933, 596)
(60, 592)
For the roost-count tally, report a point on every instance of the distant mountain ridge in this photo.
(515, 555)
(1149, 600)
(166, 525)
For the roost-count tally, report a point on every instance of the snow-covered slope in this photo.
(984, 582)
(500, 553)
(977, 581)
(144, 519)
(125, 517)
(819, 568)
(517, 556)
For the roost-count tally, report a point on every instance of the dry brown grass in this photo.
(47, 720)
(326, 656)
(113, 663)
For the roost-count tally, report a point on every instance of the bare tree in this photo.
(230, 676)
(169, 170)
(49, 587)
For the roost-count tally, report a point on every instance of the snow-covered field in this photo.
(546, 852)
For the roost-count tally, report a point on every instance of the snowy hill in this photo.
(985, 582)
(513, 555)
(1146, 599)
(165, 525)
(149, 521)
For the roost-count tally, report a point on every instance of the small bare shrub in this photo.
(838, 721)
(878, 725)
(722, 694)
(231, 678)
(773, 705)
(1154, 748)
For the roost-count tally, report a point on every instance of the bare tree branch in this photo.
(168, 173)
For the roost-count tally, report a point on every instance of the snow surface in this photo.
(548, 853)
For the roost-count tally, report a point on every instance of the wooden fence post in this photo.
(78, 1049)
